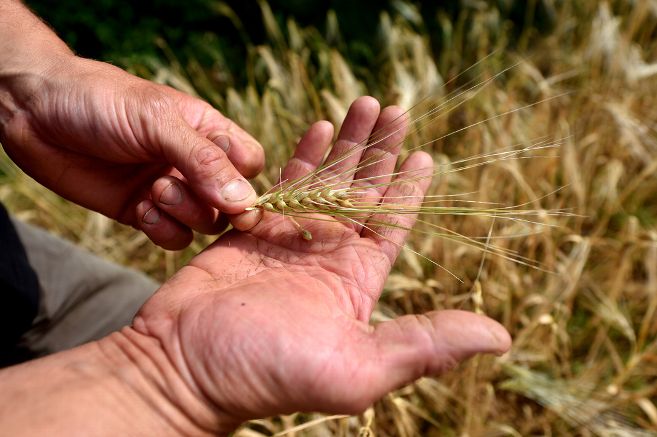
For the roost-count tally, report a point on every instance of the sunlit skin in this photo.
(261, 322)
(99, 136)
(265, 322)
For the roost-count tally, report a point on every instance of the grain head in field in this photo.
(542, 205)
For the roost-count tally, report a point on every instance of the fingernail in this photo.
(223, 142)
(247, 220)
(151, 217)
(237, 190)
(171, 195)
(501, 340)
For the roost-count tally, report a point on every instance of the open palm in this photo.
(266, 322)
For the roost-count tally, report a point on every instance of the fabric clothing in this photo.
(80, 296)
(19, 292)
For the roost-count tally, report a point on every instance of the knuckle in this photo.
(393, 224)
(383, 153)
(210, 161)
(156, 102)
(365, 184)
(207, 155)
(409, 189)
(154, 113)
(448, 364)
(424, 321)
(149, 99)
(296, 166)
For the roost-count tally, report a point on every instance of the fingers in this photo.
(172, 212)
(398, 352)
(162, 229)
(307, 157)
(353, 136)
(242, 149)
(378, 161)
(310, 151)
(172, 196)
(410, 347)
(404, 193)
(247, 220)
(207, 168)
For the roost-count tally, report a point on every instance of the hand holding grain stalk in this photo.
(288, 317)
(99, 136)
(264, 322)
(269, 321)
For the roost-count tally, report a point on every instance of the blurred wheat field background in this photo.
(584, 358)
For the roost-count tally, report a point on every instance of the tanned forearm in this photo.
(25, 41)
(121, 385)
(28, 50)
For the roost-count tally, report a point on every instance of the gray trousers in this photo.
(82, 297)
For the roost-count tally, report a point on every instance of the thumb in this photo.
(429, 344)
(209, 172)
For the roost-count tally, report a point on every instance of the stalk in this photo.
(322, 194)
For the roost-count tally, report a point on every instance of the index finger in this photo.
(242, 149)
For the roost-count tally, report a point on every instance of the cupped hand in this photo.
(264, 322)
(141, 153)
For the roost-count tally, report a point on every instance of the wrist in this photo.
(142, 369)
(123, 384)
(29, 50)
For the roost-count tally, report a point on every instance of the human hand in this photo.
(100, 137)
(265, 322)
